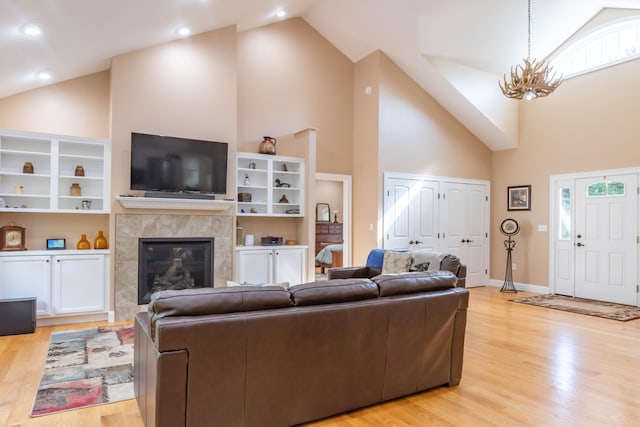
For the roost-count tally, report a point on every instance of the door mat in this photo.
(607, 310)
(86, 367)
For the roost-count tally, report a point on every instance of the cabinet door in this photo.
(289, 266)
(255, 266)
(27, 276)
(78, 283)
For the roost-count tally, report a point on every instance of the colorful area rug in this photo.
(85, 368)
(608, 310)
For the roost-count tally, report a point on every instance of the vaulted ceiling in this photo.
(455, 49)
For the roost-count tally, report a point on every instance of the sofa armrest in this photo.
(462, 276)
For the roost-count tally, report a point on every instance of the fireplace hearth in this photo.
(174, 264)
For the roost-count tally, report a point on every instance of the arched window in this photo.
(612, 43)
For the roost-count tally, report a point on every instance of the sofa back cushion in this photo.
(413, 282)
(333, 291)
(451, 263)
(202, 301)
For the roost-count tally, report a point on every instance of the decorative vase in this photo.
(79, 170)
(75, 189)
(101, 241)
(268, 145)
(83, 243)
(27, 167)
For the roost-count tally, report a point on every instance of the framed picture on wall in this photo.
(519, 198)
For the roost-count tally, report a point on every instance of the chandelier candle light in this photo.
(533, 80)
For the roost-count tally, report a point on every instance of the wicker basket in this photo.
(244, 197)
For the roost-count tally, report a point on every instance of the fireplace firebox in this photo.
(173, 263)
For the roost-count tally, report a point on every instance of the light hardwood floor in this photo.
(523, 366)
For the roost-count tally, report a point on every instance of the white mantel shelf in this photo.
(166, 203)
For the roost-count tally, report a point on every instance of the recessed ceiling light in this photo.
(183, 31)
(32, 30)
(43, 75)
(281, 14)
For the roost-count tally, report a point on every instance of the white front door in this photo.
(606, 230)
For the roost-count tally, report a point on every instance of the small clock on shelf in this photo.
(12, 238)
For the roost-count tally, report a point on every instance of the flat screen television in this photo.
(178, 165)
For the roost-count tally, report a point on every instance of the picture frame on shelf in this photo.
(519, 198)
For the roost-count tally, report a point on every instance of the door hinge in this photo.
(388, 193)
(438, 196)
(486, 198)
(438, 235)
(387, 236)
(486, 235)
(486, 271)
(637, 239)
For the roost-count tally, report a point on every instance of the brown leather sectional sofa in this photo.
(268, 356)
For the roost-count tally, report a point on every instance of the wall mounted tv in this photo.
(178, 165)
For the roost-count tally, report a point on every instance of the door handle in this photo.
(467, 241)
(580, 244)
(418, 242)
(411, 242)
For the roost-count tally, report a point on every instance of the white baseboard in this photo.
(525, 287)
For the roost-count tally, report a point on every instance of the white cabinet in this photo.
(54, 159)
(27, 276)
(78, 283)
(271, 264)
(67, 282)
(274, 185)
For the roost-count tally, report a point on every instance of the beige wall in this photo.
(77, 107)
(418, 136)
(589, 123)
(366, 188)
(187, 88)
(330, 192)
(291, 78)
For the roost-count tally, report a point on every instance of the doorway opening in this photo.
(335, 190)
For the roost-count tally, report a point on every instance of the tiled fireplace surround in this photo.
(131, 227)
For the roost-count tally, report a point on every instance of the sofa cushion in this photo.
(333, 291)
(396, 262)
(202, 301)
(422, 260)
(412, 282)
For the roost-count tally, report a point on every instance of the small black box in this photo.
(17, 316)
(271, 241)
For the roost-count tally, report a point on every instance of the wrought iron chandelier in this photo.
(533, 80)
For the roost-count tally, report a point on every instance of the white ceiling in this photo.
(455, 49)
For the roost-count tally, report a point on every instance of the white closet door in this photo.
(464, 213)
(411, 214)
